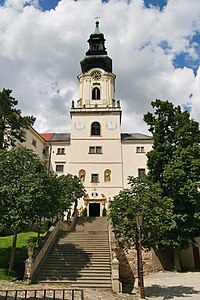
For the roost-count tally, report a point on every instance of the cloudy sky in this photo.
(154, 44)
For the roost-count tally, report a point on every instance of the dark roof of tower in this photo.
(96, 56)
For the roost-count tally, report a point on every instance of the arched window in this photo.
(82, 175)
(95, 128)
(107, 175)
(96, 93)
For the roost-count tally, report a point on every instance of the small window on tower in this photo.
(60, 151)
(95, 128)
(140, 150)
(59, 168)
(141, 172)
(96, 93)
(95, 150)
(95, 178)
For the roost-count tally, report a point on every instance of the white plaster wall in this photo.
(104, 118)
(106, 85)
(132, 161)
(40, 143)
(60, 159)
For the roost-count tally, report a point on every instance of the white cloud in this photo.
(40, 54)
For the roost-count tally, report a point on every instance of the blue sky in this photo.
(154, 44)
(51, 4)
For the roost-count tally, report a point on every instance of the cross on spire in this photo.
(97, 18)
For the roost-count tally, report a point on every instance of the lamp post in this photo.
(139, 217)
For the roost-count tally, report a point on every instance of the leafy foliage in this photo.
(12, 124)
(174, 162)
(145, 197)
(26, 191)
(72, 190)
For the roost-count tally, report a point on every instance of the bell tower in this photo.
(96, 82)
(95, 150)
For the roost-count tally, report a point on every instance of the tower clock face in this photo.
(96, 75)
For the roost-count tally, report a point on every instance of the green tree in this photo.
(12, 124)
(174, 163)
(72, 190)
(24, 191)
(145, 197)
(45, 192)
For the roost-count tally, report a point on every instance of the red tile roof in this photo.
(47, 136)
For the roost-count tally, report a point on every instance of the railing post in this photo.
(82, 295)
(28, 270)
(115, 275)
(115, 262)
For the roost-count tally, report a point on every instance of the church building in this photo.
(96, 150)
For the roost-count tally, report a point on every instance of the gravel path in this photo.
(158, 286)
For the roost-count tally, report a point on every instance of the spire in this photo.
(97, 31)
(96, 56)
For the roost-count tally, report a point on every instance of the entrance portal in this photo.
(94, 209)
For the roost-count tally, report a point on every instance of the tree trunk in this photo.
(39, 231)
(177, 261)
(13, 252)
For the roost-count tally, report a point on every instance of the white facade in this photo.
(96, 150)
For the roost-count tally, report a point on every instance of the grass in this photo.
(21, 254)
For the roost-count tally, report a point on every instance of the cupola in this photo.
(96, 56)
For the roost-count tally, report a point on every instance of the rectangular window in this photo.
(141, 172)
(59, 168)
(95, 150)
(92, 150)
(140, 150)
(60, 151)
(95, 178)
(34, 143)
(98, 150)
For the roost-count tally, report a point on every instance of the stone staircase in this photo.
(80, 258)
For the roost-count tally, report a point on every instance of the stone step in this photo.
(68, 256)
(79, 247)
(80, 258)
(83, 284)
(84, 235)
(81, 262)
(93, 266)
(77, 277)
(68, 273)
(83, 242)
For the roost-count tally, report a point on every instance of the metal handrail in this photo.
(75, 294)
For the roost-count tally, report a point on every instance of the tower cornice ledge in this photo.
(96, 110)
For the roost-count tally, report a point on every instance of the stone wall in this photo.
(128, 264)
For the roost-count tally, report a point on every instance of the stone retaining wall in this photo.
(128, 264)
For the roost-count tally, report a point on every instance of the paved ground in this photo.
(170, 285)
(162, 285)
